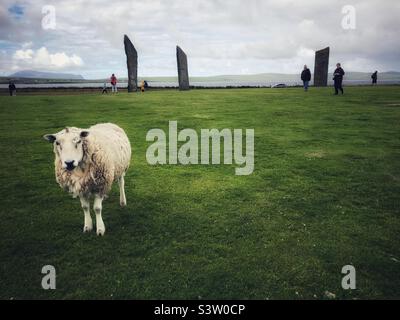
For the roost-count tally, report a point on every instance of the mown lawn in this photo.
(324, 194)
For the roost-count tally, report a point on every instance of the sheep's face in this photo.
(68, 146)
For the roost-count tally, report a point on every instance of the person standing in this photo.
(142, 86)
(113, 81)
(374, 78)
(338, 78)
(12, 89)
(306, 77)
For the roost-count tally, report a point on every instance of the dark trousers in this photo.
(338, 86)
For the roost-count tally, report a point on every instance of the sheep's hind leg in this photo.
(88, 223)
(97, 206)
(122, 197)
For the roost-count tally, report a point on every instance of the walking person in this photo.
(374, 78)
(12, 89)
(113, 80)
(338, 78)
(104, 88)
(306, 77)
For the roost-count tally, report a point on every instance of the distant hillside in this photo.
(262, 79)
(393, 75)
(271, 77)
(45, 75)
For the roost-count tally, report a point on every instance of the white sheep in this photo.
(88, 161)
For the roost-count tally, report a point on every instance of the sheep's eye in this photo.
(79, 141)
(57, 143)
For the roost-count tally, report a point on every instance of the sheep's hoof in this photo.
(87, 229)
(87, 226)
(100, 232)
(122, 203)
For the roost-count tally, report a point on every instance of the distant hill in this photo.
(271, 77)
(261, 79)
(392, 75)
(45, 75)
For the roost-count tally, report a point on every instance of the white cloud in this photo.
(42, 58)
(23, 54)
(307, 24)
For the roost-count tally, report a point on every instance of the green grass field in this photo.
(324, 194)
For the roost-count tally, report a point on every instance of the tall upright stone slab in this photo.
(183, 74)
(321, 68)
(131, 61)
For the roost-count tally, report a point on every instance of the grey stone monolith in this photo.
(131, 62)
(321, 68)
(183, 74)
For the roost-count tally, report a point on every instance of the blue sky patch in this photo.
(16, 10)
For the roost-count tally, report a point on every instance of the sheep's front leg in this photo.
(122, 198)
(88, 223)
(97, 206)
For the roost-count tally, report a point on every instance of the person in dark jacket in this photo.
(306, 77)
(12, 89)
(374, 78)
(338, 78)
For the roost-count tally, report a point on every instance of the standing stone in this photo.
(183, 74)
(321, 68)
(131, 61)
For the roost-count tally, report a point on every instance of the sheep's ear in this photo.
(50, 137)
(84, 134)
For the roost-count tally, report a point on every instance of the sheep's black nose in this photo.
(70, 165)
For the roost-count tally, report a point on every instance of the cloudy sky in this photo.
(219, 36)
